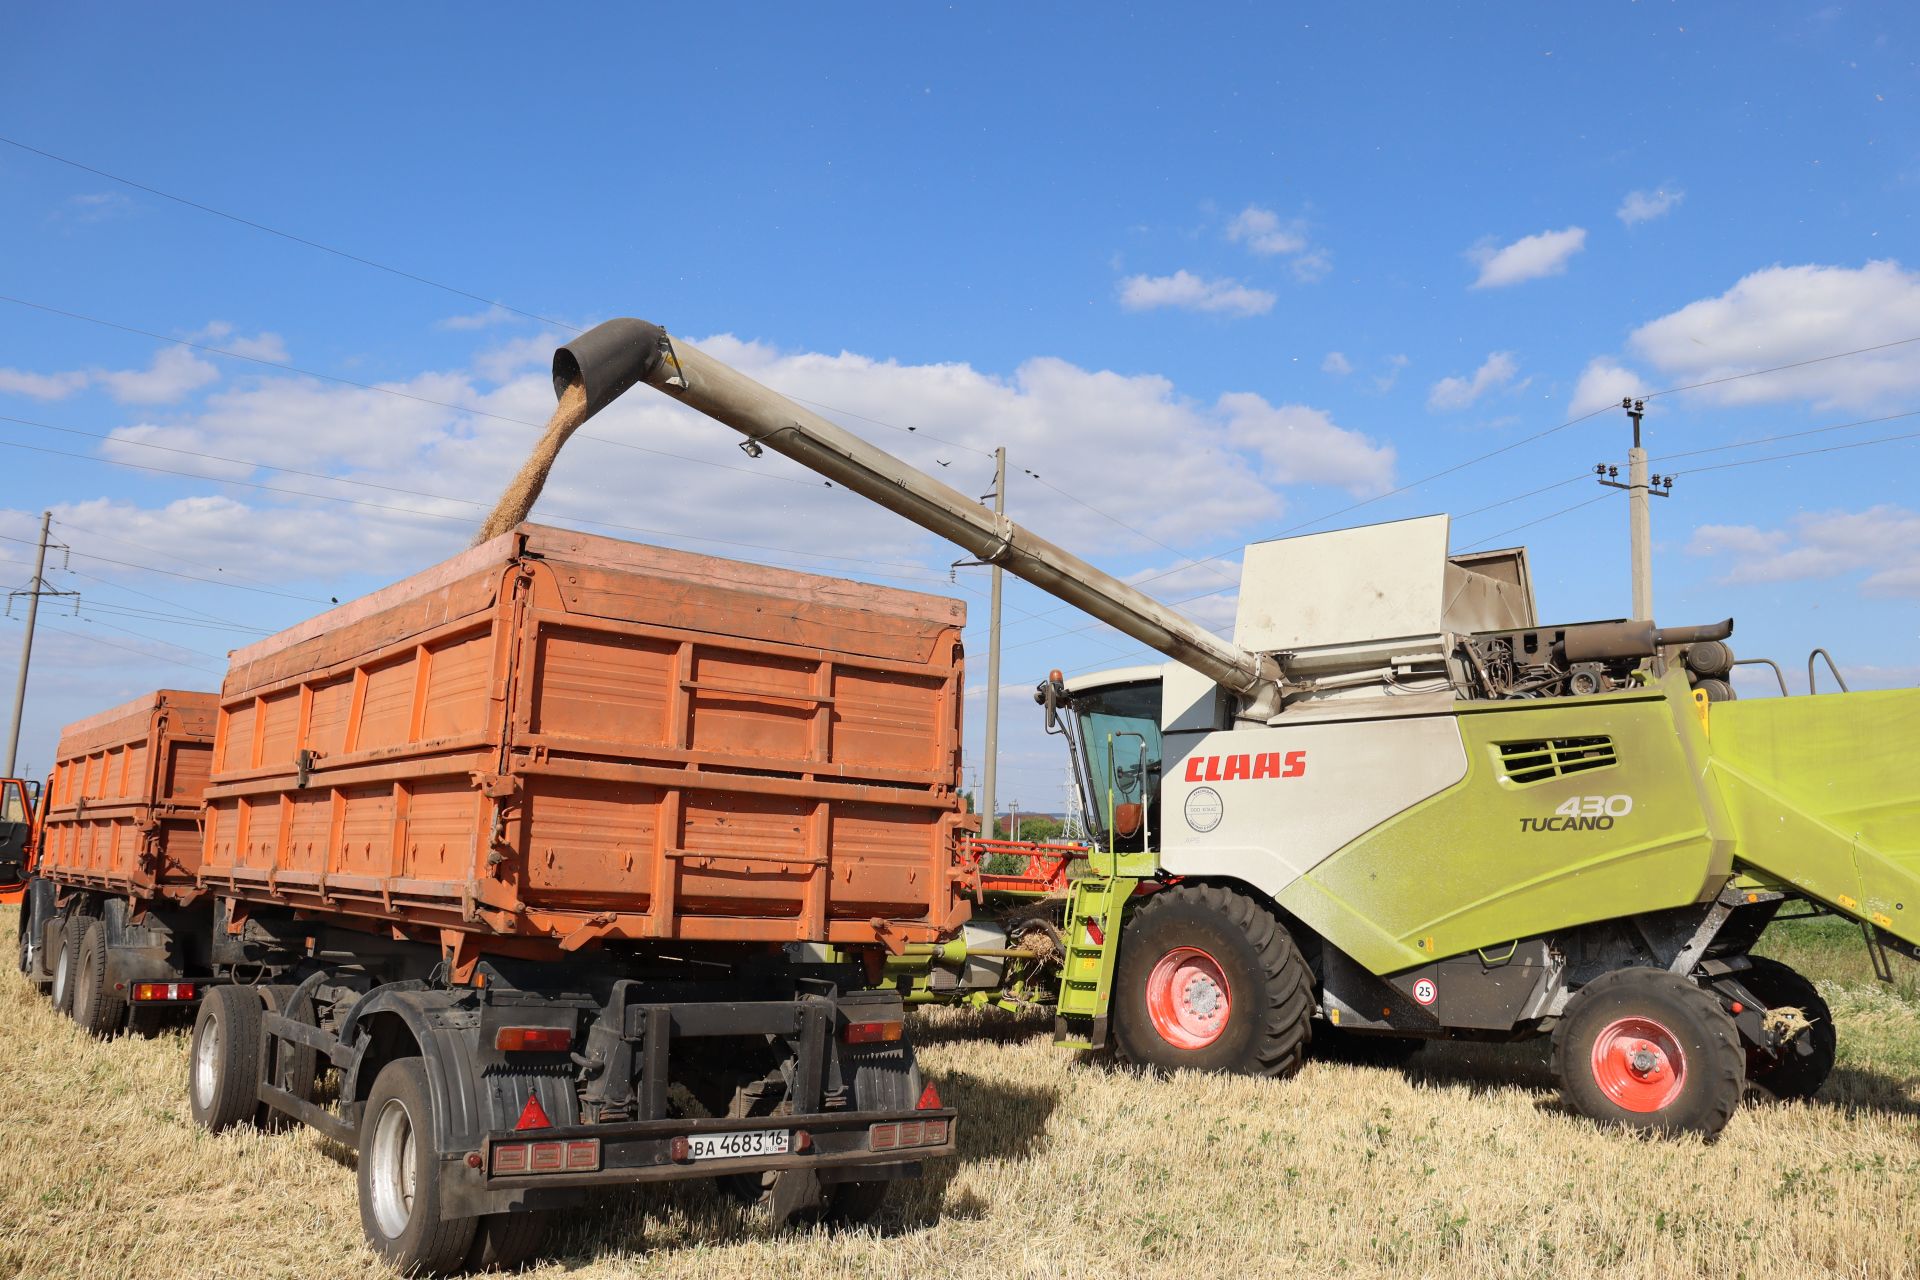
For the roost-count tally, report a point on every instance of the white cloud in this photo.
(40, 386)
(1315, 264)
(1781, 315)
(1497, 370)
(1528, 258)
(174, 374)
(1645, 206)
(1262, 231)
(1208, 591)
(1881, 544)
(1336, 364)
(1602, 383)
(1302, 445)
(1189, 292)
(492, 315)
(1385, 381)
(264, 346)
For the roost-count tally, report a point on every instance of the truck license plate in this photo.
(737, 1146)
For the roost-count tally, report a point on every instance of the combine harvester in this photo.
(1397, 808)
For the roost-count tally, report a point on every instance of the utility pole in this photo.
(1639, 516)
(35, 588)
(993, 656)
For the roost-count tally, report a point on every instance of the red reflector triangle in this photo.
(534, 1116)
(929, 1098)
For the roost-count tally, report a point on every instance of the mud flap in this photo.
(795, 1191)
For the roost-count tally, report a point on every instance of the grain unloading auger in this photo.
(1397, 808)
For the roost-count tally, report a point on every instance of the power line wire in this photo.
(286, 235)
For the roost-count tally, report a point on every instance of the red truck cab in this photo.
(17, 798)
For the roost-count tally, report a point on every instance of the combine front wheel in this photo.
(1646, 1049)
(1209, 979)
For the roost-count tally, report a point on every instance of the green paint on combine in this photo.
(1824, 793)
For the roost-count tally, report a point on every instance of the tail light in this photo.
(872, 1032)
(899, 1135)
(164, 992)
(515, 1159)
(929, 1099)
(533, 1039)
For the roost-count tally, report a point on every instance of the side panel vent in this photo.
(1544, 758)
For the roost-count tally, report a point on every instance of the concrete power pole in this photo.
(993, 658)
(1639, 486)
(35, 588)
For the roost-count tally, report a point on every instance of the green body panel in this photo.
(1824, 793)
(1473, 868)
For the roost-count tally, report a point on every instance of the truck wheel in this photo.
(223, 1071)
(400, 1177)
(67, 959)
(1798, 1071)
(97, 1006)
(1649, 1050)
(27, 957)
(503, 1241)
(1208, 979)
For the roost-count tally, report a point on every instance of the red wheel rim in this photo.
(1639, 1064)
(1188, 998)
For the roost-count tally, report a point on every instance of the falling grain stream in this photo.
(524, 490)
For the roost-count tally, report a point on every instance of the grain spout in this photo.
(524, 490)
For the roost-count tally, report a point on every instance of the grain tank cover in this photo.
(1356, 588)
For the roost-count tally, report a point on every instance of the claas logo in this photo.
(1265, 764)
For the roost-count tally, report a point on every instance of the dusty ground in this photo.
(1464, 1165)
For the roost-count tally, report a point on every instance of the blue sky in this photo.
(1212, 277)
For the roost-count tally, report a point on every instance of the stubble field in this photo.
(1463, 1164)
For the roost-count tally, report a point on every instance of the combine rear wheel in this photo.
(1208, 979)
(1648, 1050)
(1797, 1071)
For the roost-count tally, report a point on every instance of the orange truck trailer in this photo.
(578, 862)
(115, 923)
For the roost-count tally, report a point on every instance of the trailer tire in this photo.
(98, 1007)
(1649, 1050)
(66, 959)
(1209, 980)
(1798, 1073)
(505, 1241)
(399, 1177)
(223, 1062)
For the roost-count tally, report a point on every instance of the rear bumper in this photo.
(642, 1151)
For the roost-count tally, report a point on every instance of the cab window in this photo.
(1120, 737)
(13, 803)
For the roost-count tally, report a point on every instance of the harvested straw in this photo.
(517, 502)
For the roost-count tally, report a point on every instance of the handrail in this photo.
(1778, 674)
(1831, 666)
